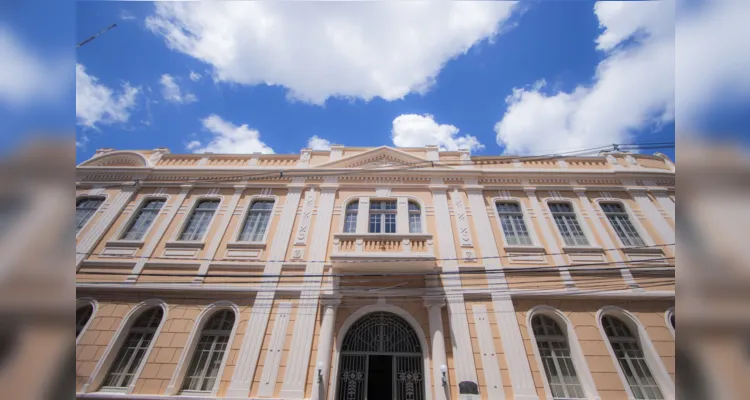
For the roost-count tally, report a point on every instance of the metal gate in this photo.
(381, 333)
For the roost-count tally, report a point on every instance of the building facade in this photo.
(375, 273)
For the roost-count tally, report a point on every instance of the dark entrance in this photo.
(380, 377)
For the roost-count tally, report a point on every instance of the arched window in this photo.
(622, 225)
(631, 359)
(83, 315)
(86, 207)
(415, 218)
(209, 353)
(567, 223)
(133, 349)
(143, 219)
(513, 224)
(350, 218)
(197, 225)
(256, 223)
(556, 359)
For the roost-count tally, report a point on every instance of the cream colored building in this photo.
(376, 273)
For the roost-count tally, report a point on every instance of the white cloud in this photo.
(412, 130)
(633, 87)
(194, 76)
(229, 138)
(26, 77)
(318, 143)
(172, 93)
(98, 104)
(319, 50)
(126, 15)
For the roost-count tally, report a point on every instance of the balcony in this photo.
(398, 251)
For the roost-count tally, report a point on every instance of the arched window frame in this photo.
(196, 201)
(102, 367)
(355, 212)
(535, 242)
(642, 232)
(246, 213)
(579, 360)
(104, 197)
(82, 302)
(419, 212)
(590, 238)
(659, 372)
(175, 385)
(668, 318)
(119, 236)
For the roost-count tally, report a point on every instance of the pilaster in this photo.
(325, 346)
(437, 339)
(213, 245)
(663, 229)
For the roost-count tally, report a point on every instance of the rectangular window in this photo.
(513, 224)
(197, 225)
(85, 209)
(620, 222)
(143, 220)
(350, 219)
(257, 220)
(382, 217)
(567, 224)
(415, 218)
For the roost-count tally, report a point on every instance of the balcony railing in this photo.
(391, 246)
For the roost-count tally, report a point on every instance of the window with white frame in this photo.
(567, 223)
(415, 218)
(620, 222)
(134, 348)
(86, 207)
(513, 224)
(83, 314)
(632, 361)
(350, 217)
(143, 219)
(383, 216)
(209, 353)
(556, 359)
(199, 220)
(256, 222)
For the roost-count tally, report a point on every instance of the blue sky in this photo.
(503, 79)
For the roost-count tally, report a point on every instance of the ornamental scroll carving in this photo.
(304, 226)
(463, 220)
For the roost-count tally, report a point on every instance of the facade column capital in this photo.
(637, 190)
(580, 190)
(431, 301)
(530, 189)
(330, 300)
(474, 189)
(658, 191)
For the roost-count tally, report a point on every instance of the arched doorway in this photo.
(381, 358)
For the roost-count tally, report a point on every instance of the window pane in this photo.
(209, 352)
(631, 359)
(415, 223)
(257, 221)
(143, 220)
(83, 314)
(390, 223)
(567, 224)
(413, 207)
(85, 209)
(620, 221)
(375, 223)
(556, 360)
(198, 223)
(134, 347)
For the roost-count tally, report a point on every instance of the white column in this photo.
(402, 215)
(462, 349)
(510, 334)
(549, 237)
(159, 230)
(363, 214)
(325, 345)
(653, 215)
(304, 326)
(247, 358)
(606, 240)
(94, 235)
(213, 245)
(437, 339)
(662, 197)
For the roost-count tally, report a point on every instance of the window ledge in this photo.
(125, 243)
(643, 250)
(246, 245)
(185, 244)
(381, 236)
(524, 249)
(582, 249)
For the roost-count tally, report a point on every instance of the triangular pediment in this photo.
(381, 157)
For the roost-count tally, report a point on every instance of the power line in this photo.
(95, 36)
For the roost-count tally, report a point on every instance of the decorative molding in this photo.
(459, 208)
(304, 225)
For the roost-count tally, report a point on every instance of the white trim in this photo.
(668, 315)
(355, 316)
(535, 242)
(647, 239)
(139, 205)
(652, 358)
(104, 196)
(576, 353)
(652, 213)
(493, 378)
(246, 210)
(178, 377)
(275, 349)
(113, 154)
(82, 302)
(102, 367)
(196, 200)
